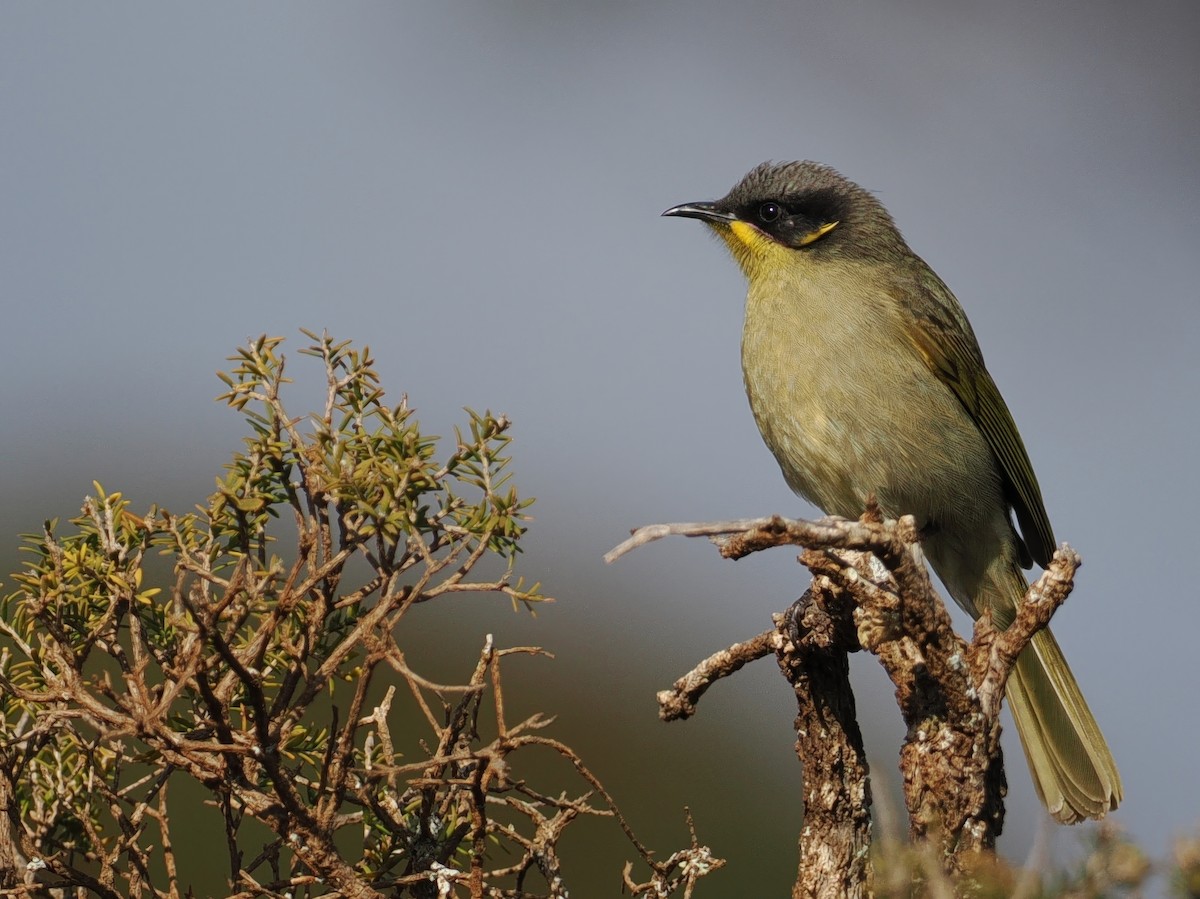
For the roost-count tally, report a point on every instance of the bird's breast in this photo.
(849, 409)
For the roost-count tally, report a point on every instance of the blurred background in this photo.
(474, 188)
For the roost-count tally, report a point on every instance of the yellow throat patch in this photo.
(757, 253)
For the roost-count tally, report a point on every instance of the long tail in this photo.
(1072, 768)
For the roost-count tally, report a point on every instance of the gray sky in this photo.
(474, 190)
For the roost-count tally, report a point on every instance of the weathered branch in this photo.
(871, 591)
(811, 648)
(680, 701)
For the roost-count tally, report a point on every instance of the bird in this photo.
(866, 381)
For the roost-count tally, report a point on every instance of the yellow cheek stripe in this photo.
(758, 254)
(814, 236)
(757, 242)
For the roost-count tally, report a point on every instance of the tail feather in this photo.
(1073, 770)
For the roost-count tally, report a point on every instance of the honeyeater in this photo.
(866, 379)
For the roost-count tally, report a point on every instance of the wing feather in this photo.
(944, 339)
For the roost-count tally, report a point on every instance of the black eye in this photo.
(769, 212)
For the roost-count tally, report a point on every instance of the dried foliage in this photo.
(265, 667)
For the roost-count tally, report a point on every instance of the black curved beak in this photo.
(706, 212)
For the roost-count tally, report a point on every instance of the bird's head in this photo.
(798, 213)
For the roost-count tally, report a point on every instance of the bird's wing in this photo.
(944, 339)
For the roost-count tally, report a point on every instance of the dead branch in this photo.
(871, 591)
(680, 701)
(811, 648)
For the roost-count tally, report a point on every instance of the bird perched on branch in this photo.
(865, 379)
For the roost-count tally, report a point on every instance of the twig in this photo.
(680, 701)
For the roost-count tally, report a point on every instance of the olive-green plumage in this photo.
(865, 378)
